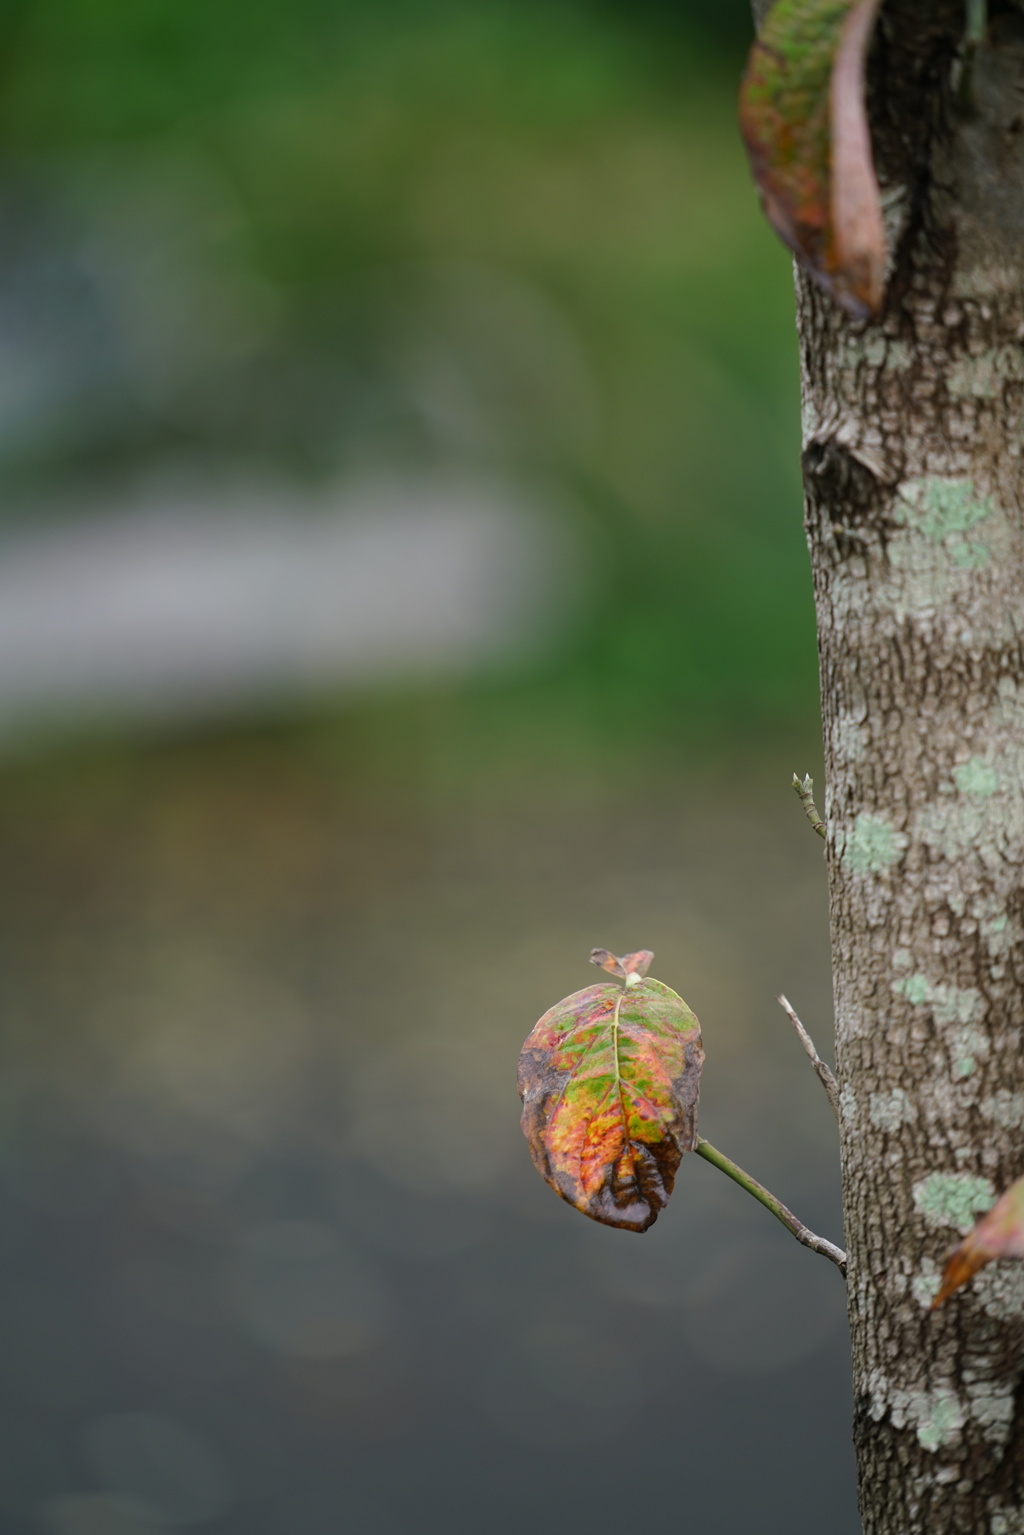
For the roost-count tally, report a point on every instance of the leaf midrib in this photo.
(618, 1071)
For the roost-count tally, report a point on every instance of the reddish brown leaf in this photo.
(609, 1080)
(804, 122)
(860, 247)
(999, 1234)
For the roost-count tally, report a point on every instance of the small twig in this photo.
(795, 1227)
(975, 28)
(805, 790)
(977, 21)
(825, 1074)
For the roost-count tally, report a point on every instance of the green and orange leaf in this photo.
(804, 122)
(609, 1080)
(999, 1234)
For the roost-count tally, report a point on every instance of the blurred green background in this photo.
(402, 589)
(510, 241)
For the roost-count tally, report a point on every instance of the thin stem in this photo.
(795, 1227)
(975, 26)
(825, 1073)
(805, 791)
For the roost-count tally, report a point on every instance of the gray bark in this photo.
(914, 480)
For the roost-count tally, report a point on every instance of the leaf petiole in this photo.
(794, 1226)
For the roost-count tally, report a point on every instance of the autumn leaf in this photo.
(804, 121)
(999, 1234)
(609, 1079)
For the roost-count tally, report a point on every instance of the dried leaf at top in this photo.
(804, 121)
(625, 965)
(999, 1234)
(609, 1080)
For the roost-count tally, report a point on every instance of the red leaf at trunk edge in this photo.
(858, 230)
(609, 1080)
(804, 122)
(999, 1234)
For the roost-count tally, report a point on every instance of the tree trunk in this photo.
(914, 474)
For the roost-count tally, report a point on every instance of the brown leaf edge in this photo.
(858, 230)
(999, 1234)
(630, 968)
(828, 210)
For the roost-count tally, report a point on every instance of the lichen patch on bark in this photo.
(980, 807)
(934, 547)
(940, 507)
(953, 1199)
(936, 1415)
(976, 777)
(968, 1045)
(887, 1111)
(1006, 1110)
(939, 1418)
(849, 740)
(925, 1286)
(983, 376)
(876, 349)
(873, 845)
(948, 1004)
(1000, 1290)
(991, 1406)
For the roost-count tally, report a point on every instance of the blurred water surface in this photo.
(275, 1257)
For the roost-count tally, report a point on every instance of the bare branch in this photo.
(805, 791)
(825, 1074)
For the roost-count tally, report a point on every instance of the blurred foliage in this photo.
(516, 237)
